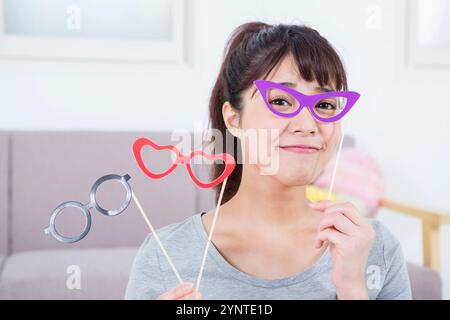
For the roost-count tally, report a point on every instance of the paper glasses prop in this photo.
(325, 107)
(85, 208)
(229, 162)
(140, 143)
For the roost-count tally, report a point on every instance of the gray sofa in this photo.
(39, 170)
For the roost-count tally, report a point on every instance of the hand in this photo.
(184, 291)
(350, 236)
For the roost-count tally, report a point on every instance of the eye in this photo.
(326, 106)
(280, 102)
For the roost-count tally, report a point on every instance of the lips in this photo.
(301, 148)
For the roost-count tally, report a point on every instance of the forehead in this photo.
(286, 72)
(287, 69)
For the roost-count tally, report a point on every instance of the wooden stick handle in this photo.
(216, 213)
(333, 176)
(157, 238)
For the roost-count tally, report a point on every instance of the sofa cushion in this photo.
(2, 259)
(4, 175)
(53, 167)
(43, 274)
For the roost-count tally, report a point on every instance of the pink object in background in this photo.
(358, 175)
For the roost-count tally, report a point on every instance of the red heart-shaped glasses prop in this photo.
(228, 159)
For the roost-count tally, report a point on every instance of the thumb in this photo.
(320, 205)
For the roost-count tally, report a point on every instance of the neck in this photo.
(262, 199)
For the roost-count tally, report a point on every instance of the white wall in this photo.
(402, 117)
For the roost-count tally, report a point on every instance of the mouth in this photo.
(301, 148)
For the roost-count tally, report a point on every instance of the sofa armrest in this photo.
(426, 283)
(431, 222)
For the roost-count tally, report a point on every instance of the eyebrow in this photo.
(293, 85)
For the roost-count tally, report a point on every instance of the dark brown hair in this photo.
(252, 51)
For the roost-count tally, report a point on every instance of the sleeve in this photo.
(145, 281)
(396, 284)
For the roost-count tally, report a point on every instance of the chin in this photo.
(295, 179)
(300, 174)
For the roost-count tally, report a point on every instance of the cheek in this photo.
(331, 134)
(260, 132)
(258, 116)
(262, 126)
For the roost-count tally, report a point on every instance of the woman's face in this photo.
(290, 167)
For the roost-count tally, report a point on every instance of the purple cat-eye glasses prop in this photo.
(287, 102)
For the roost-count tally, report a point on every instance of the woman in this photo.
(270, 242)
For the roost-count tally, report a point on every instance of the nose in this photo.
(303, 123)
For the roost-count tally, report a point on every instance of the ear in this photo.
(231, 118)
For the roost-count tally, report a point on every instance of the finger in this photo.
(318, 243)
(194, 295)
(349, 210)
(198, 295)
(179, 291)
(339, 221)
(331, 235)
(321, 204)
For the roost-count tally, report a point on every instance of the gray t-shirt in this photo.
(151, 275)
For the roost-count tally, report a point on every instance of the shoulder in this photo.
(174, 229)
(385, 244)
(179, 239)
(387, 275)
